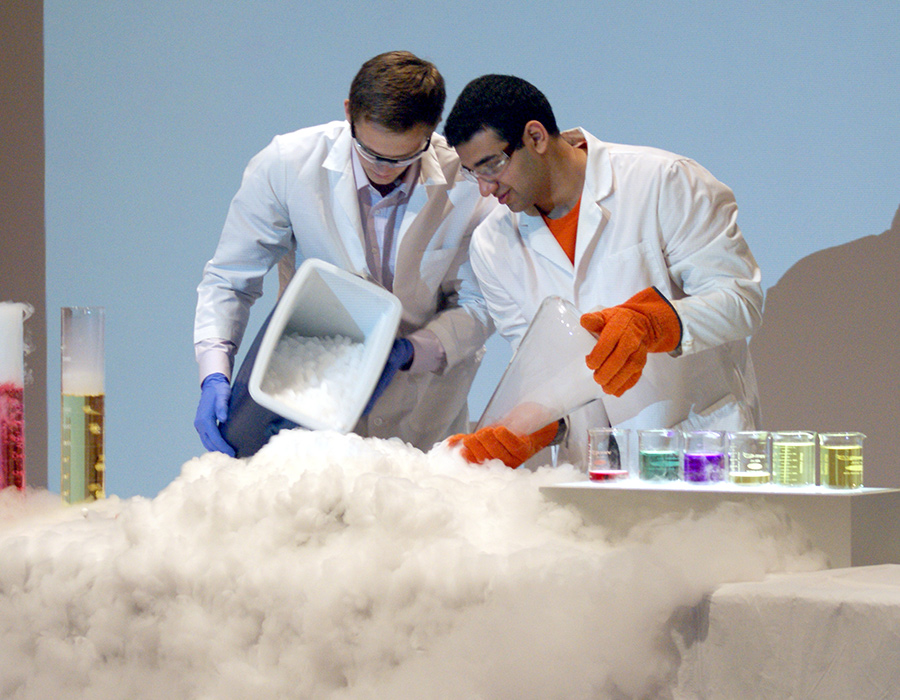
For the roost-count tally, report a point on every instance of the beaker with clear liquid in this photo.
(794, 458)
(841, 460)
(748, 457)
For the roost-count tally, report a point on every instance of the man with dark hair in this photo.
(380, 195)
(645, 243)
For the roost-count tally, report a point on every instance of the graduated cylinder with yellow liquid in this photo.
(83, 466)
(841, 460)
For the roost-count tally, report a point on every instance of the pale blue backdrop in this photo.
(153, 109)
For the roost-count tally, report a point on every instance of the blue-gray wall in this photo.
(153, 109)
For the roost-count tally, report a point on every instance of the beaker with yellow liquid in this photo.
(841, 460)
(794, 458)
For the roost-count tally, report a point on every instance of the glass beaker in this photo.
(83, 466)
(606, 455)
(841, 460)
(748, 457)
(794, 457)
(659, 454)
(704, 456)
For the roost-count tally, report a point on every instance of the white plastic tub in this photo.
(321, 301)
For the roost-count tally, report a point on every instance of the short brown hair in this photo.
(398, 90)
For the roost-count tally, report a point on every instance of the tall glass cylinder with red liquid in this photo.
(12, 394)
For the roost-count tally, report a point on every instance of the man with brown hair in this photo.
(378, 194)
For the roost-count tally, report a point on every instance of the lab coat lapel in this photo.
(539, 238)
(431, 183)
(599, 183)
(346, 202)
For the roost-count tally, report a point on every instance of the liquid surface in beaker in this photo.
(794, 463)
(607, 474)
(83, 466)
(841, 466)
(748, 477)
(659, 464)
(748, 467)
(704, 467)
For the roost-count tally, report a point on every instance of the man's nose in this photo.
(487, 187)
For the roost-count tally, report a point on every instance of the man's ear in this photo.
(347, 109)
(535, 137)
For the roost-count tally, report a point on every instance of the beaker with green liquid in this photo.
(841, 460)
(794, 458)
(659, 454)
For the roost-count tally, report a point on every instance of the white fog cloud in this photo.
(332, 566)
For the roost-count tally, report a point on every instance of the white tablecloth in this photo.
(823, 635)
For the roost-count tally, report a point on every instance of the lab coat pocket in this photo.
(629, 270)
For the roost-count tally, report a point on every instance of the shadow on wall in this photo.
(827, 356)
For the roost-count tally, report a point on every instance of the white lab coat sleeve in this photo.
(256, 234)
(707, 258)
(465, 323)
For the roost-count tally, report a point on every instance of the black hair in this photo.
(503, 103)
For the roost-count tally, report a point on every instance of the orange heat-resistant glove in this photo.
(647, 322)
(498, 442)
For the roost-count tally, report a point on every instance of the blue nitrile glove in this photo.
(400, 357)
(215, 391)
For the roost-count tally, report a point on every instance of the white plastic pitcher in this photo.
(547, 377)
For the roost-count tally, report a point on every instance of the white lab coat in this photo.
(647, 218)
(300, 191)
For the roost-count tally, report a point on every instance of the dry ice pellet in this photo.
(312, 374)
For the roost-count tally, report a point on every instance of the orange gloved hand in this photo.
(647, 322)
(498, 442)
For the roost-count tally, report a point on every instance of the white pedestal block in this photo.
(857, 527)
(829, 635)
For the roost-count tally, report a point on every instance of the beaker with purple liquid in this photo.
(705, 456)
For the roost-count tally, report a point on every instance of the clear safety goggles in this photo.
(377, 159)
(489, 170)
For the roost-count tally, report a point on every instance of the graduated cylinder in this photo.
(12, 392)
(83, 466)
